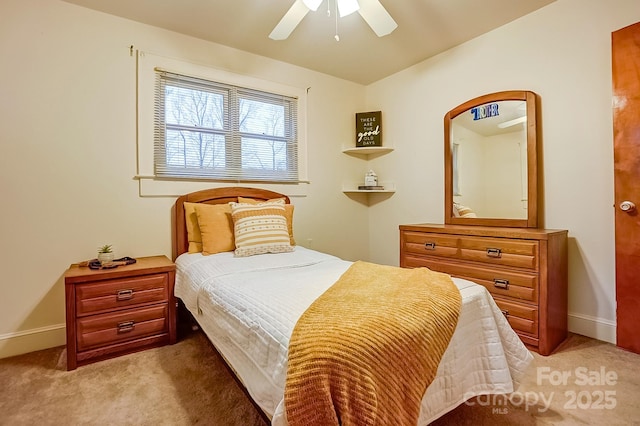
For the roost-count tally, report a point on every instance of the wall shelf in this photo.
(368, 150)
(350, 188)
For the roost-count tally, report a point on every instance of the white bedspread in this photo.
(248, 307)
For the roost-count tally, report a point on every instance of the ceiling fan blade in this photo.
(377, 17)
(312, 4)
(289, 21)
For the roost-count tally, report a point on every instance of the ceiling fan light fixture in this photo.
(371, 11)
(312, 4)
(513, 122)
(347, 7)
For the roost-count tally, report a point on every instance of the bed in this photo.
(248, 307)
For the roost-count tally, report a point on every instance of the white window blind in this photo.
(209, 130)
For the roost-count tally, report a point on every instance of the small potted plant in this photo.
(105, 254)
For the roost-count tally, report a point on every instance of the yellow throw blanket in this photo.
(365, 351)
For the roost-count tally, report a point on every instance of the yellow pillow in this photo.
(193, 230)
(288, 214)
(216, 227)
(260, 228)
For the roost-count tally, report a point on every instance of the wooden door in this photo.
(626, 139)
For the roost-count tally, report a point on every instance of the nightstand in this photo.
(111, 312)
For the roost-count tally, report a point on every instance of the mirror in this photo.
(491, 161)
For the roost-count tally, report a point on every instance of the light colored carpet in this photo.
(182, 384)
(566, 388)
(188, 384)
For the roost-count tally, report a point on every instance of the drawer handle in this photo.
(430, 246)
(500, 283)
(124, 295)
(505, 312)
(126, 326)
(494, 252)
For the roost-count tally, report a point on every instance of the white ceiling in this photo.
(425, 28)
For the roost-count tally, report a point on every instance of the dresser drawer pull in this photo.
(126, 326)
(494, 252)
(505, 312)
(124, 295)
(500, 283)
(430, 246)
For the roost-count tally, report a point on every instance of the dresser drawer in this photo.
(109, 295)
(110, 328)
(494, 251)
(440, 245)
(498, 251)
(522, 318)
(499, 282)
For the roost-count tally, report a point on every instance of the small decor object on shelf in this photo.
(371, 182)
(370, 188)
(369, 129)
(105, 254)
(371, 178)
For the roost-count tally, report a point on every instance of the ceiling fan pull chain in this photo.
(337, 37)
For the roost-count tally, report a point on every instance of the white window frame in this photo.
(152, 185)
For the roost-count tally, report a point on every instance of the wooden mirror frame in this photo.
(531, 221)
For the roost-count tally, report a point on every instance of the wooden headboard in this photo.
(211, 196)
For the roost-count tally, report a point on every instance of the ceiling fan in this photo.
(371, 11)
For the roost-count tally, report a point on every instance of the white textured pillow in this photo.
(260, 228)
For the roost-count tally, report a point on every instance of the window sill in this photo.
(150, 186)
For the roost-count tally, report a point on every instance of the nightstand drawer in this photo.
(106, 329)
(109, 295)
(500, 251)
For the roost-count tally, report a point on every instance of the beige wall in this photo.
(68, 147)
(562, 52)
(68, 155)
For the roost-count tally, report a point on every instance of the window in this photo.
(210, 130)
(456, 173)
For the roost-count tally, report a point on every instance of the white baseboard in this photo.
(36, 339)
(596, 328)
(48, 337)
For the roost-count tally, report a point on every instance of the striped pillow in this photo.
(288, 213)
(463, 211)
(260, 228)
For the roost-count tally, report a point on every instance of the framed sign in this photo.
(369, 128)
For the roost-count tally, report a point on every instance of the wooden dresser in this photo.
(111, 312)
(524, 269)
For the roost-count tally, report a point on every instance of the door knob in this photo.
(627, 206)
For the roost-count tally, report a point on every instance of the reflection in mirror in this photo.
(490, 161)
